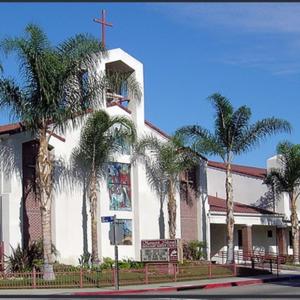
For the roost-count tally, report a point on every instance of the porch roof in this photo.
(219, 205)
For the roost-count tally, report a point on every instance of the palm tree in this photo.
(233, 135)
(56, 90)
(287, 179)
(164, 162)
(99, 141)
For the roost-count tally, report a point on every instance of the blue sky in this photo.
(248, 52)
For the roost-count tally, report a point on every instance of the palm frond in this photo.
(240, 121)
(100, 140)
(286, 178)
(13, 98)
(201, 140)
(257, 132)
(223, 117)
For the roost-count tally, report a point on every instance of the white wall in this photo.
(246, 189)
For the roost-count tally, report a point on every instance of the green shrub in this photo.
(24, 259)
(194, 250)
(85, 260)
(59, 267)
(107, 263)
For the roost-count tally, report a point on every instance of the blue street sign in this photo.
(107, 219)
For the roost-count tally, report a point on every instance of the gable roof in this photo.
(239, 169)
(219, 205)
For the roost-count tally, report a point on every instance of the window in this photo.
(290, 239)
(240, 239)
(119, 186)
(123, 232)
(270, 233)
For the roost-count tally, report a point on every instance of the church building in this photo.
(125, 192)
(261, 219)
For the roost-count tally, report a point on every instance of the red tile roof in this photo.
(219, 205)
(244, 170)
(10, 128)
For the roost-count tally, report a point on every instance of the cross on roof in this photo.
(103, 23)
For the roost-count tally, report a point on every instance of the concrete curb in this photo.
(190, 287)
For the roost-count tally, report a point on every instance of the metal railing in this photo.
(255, 259)
(150, 273)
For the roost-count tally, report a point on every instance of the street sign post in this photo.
(116, 253)
(113, 220)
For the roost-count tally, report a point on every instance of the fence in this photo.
(151, 273)
(256, 259)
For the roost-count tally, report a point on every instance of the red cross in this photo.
(103, 23)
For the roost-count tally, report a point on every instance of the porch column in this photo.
(247, 241)
(281, 241)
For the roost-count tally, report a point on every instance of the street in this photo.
(291, 289)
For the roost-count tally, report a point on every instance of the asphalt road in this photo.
(290, 289)
(278, 290)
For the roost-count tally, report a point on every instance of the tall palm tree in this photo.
(54, 92)
(164, 162)
(99, 141)
(233, 135)
(286, 178)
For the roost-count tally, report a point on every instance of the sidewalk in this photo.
(160, 287)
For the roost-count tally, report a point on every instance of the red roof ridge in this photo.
(9, 128)
(240, 169)
(157, 129)
(119, 105)
(219, 204)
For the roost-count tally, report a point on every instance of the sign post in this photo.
(113, 220)
(116, 254)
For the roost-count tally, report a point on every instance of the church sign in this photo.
(160, 250)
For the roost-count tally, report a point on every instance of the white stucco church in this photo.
(261, 223)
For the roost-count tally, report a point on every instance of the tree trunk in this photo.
(93, 210)
(229, 215)
(161, 219)
(295, 230)
(44, 170)
(172, 211)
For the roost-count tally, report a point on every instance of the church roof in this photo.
(219, 205)
(10, 128)
(239, 169)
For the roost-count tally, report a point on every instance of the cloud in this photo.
(251, 17)
(265, 35)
